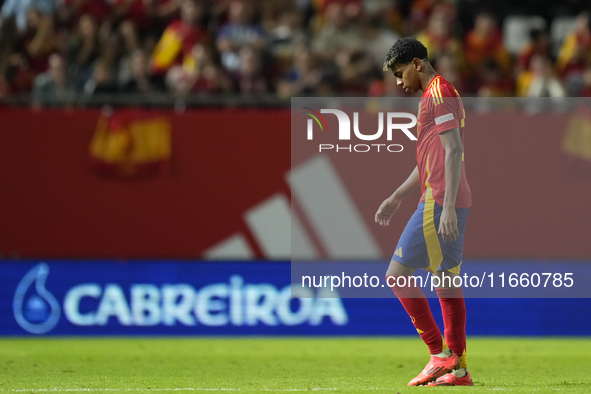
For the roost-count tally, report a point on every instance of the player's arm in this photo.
(452, 143)
(391, 204)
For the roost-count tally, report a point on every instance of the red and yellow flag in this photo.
(577, 142)
(131, 144)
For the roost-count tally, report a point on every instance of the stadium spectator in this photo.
(493, 82)
(575, 54)
(138, 12)
(19, 9)
(70, 11)
(271, 12)
(449, 70)
(250, 78)
(575, 48)
(483, 46)
(180, 37)
(84, 48)
(387, 11)
(102, 80)
(284, 36)
(378, 39)
(142, 80)
(15, 74)
(339, 34)
(177, 81)
(38, 40)
(167, 10)
(134, 17)
(111, 52)
(290, 47)
(207, 76)
(540, 80)
(54, 86)
(351, 11)
(539, 44)
(422, 10)
(240, 31)
(354, 68)
(202, 75)
(439, 39)
(586, 91)
(303, 78)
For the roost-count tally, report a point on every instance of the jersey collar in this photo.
(433, 81)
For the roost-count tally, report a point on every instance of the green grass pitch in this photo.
(520, 365)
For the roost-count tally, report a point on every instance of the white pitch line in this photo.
(56, 390)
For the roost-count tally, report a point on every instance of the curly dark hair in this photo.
(403, 51)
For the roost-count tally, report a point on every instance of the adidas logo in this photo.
(282, 233)
(398, 252)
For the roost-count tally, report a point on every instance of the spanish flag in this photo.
(577, 142)
(175, 45)
(131, 144)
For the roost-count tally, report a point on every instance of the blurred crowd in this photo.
(61, 49)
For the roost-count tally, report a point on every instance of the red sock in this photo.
(454, 319)
(416, 305)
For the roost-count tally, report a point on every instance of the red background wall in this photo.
(527, 201)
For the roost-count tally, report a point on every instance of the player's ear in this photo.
(417, 64)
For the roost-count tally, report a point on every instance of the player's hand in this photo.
(386, 210)
(448, 225)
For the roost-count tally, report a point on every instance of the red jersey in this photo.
(99, 9)
(440, 109)
(137, 13)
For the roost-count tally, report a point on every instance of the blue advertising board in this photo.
(219, 298)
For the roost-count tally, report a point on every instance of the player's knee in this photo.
(395, 268)
(398, 282)
(447, 280)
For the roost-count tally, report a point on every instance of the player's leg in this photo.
(453, 307)
(416, 305)
(410, 254)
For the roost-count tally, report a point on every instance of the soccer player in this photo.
(434, 236)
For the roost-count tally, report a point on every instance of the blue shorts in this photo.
(421, 247)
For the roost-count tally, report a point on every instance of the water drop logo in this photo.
(35, 309)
